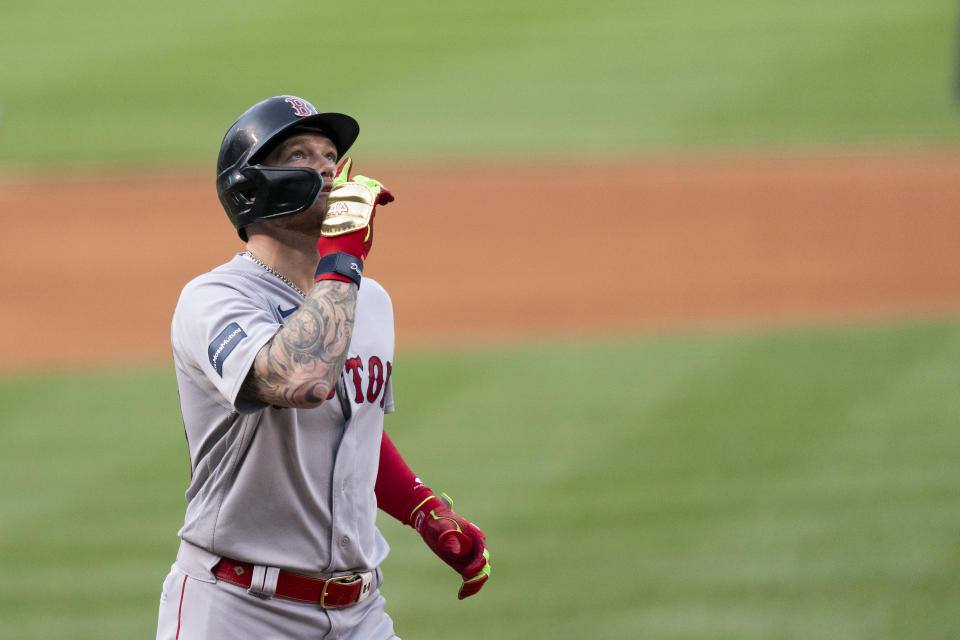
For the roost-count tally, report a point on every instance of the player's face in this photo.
(306, 150)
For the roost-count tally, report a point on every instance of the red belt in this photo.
(341, 591)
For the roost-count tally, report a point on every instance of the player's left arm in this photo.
(459, 543)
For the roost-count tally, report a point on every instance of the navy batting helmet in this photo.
(250, 191)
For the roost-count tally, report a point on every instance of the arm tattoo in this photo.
(301, 363)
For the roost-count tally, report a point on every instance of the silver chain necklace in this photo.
(260, 262)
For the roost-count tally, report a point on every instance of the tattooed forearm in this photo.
(301, 363)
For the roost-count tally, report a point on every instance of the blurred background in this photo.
(677, 298)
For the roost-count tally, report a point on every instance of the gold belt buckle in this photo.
(340, 580)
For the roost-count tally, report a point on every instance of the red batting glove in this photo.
(455, 541)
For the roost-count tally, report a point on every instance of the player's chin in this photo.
(317, 211)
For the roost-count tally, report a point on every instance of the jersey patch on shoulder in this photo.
(223, 345)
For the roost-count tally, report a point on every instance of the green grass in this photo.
(115, 83)
(782, 485)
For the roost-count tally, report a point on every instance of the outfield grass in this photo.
(107, 82)
(783, 485)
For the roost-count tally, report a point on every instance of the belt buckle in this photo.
(339, 580)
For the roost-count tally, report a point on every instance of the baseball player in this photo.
(284, 358)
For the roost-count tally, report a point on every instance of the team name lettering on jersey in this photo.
(370, 382)
(221, 347)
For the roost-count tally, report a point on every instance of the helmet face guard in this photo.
(252, 192)
(259, 192)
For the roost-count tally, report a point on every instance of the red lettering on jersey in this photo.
(355, 366)
(386, 382)
(375, 373)
(300, 107)
(332, 393)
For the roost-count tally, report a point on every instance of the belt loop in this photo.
(264, 581)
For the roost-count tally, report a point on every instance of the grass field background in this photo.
(756, 485)
(134, 84)
(791, 484)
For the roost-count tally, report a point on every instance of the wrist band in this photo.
(341, 264)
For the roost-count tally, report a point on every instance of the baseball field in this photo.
(676, 286)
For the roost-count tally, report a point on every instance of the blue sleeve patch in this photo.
(223, 345)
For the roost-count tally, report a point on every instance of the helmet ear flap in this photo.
(244, 195)
(243, 199)
(237, 193)
(256, 193)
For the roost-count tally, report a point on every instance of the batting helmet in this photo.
(252, 192)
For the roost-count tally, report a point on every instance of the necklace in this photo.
(263, 264)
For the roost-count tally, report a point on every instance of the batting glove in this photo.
(455, 541)
(351, 207)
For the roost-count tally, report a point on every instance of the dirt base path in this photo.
(93, 264)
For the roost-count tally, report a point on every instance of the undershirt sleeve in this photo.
(398, 489)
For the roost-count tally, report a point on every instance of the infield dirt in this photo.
(93, 263)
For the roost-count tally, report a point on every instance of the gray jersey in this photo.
(289, 488)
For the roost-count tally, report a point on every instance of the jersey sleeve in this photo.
(217, 331)
(388, 406)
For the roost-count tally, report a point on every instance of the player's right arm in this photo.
(301, 363)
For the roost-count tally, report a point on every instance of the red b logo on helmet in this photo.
(301, 107)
